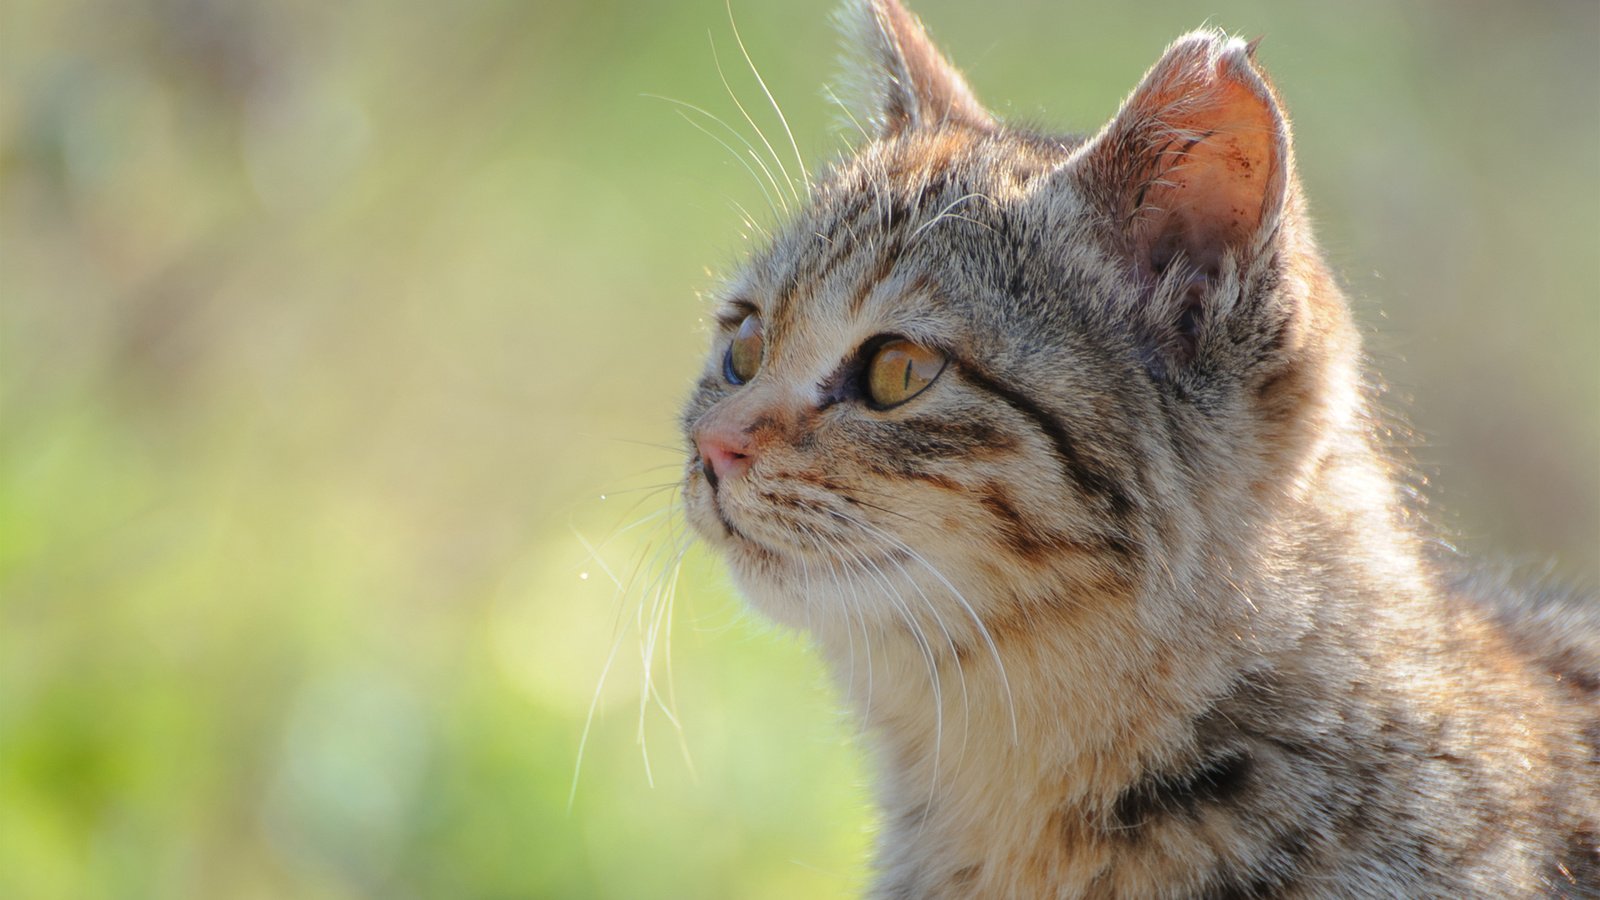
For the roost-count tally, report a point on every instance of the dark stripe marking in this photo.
(1078, 469)
(1272, 877)
(1217, 779)
(1019, 535)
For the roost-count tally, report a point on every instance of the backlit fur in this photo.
(1126, 599)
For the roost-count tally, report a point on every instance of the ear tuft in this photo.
(1197, 161)
(908, 85)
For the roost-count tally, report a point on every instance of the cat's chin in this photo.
(773, 599)
(794, 586)
(791, 594)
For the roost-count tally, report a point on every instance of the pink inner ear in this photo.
(1213, 179)
(1198, 155)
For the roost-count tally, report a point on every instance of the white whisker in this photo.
(805, 177)
(930, 658)
(983, 630)
(947, 213)
(749, 220)
(752, 122)
(866, 635)
(660, 553)
(773, 204)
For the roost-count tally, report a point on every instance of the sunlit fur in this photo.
(1126, 599)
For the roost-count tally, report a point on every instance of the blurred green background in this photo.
(326, 326)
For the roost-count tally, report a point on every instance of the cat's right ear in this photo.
(1197, 162)
(1192, 181)
(905, 82)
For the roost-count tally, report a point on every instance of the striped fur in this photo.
(1126, 599)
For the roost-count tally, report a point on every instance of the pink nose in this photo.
(723, 455)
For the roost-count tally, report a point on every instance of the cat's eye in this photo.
(900, 370)
(744, 354)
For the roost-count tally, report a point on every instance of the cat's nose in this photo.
(723, 454)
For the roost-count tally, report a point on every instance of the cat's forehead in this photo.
(893, 232)
(919, 237)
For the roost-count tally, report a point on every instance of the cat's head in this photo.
(987, 373)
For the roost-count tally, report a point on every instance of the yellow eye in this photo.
(744, 355)
(901, 370)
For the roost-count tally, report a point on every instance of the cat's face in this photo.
(888, 402)
(957, 384)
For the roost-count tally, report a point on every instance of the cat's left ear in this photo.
(908, 84)
(1196, 162)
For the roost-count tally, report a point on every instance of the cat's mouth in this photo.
(787, 539)
(734, 531)
(706, 495)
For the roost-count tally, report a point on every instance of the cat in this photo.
(1059, 449)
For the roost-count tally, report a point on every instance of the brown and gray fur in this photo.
(1127, 599)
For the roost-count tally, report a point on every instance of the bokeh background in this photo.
(326, 326)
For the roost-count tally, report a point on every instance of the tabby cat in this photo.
(1059, 449)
